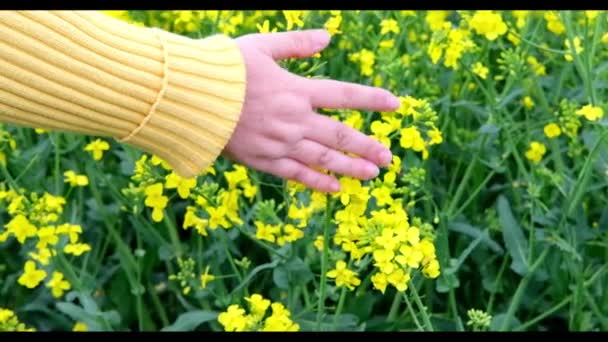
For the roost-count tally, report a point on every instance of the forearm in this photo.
(85, 72)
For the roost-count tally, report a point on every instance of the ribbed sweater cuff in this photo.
(172, 96)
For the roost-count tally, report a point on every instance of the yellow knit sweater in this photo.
(85, 72)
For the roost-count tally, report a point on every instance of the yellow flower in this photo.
(521, 18)
(480, 70)
(344, 277)
(156, 200)
(319, 243)
(21, 228)
(206, 278)
(191, 220)
(355, 120)
(552, 130)
(279, 320)
(431, 269)
(591, 113)
(383, 258)
(183, 185)
(411, 139)
(293, 18)
(97, 148)
(58, 285)
(43, 256)
(591, 15)
(554, 24)
(32, 276)
(489, 24)
(387, 44)
(258, 305)
(155, 160)
(217, 217)
(577, 48)
(76, 249)
(75, 179)
(290, 234)
(399, 279)
(380, 281)
(366, 59)
(435, 135)
(537, 67)
(46, 236)
(236, 177)
(382, 195)
(70, 229)
(536, 151)
(233, 319)
(265, 27)
(528, 102)
(435, 19)
(80, 326)
(513, 38)
(389, 25)
(408, 105)
(266, 232)
(332, 25)
(605, 38)
(5, 315)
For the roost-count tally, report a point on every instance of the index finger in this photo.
(345, 95)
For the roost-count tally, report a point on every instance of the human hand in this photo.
(279, 131)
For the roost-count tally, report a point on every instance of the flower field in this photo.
(488, 218)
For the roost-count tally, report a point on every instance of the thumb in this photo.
(293, 44)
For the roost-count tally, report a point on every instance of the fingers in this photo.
(344, 95)
(293, 44)
(293, 170)
(339, 136)
(312, 153)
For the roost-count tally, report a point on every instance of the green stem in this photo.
(324, 261)
(56, 164)
(544, 314)
(596, 310)
(340, 307)
(394, 307)
(496, 282)
(425, 315)
(230, 259)
(173, 235)
(160, 309)
(412, 313)
(520, 290)
(455, 311)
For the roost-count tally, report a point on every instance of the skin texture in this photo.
(281, 133)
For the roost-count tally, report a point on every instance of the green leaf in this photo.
(191, 320)
(76, 313)
(446, 282)
(516, 243)
(475, 232)
(280, 277)
(299, 272)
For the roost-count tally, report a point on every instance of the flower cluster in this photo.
(10, 322)
(257, 318)
(35, 226)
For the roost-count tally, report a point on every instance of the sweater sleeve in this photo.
(85, 72)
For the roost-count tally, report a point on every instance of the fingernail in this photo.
(386, 157)
(335, 187)
(372, 170)
(394, 102)
(321, 39)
